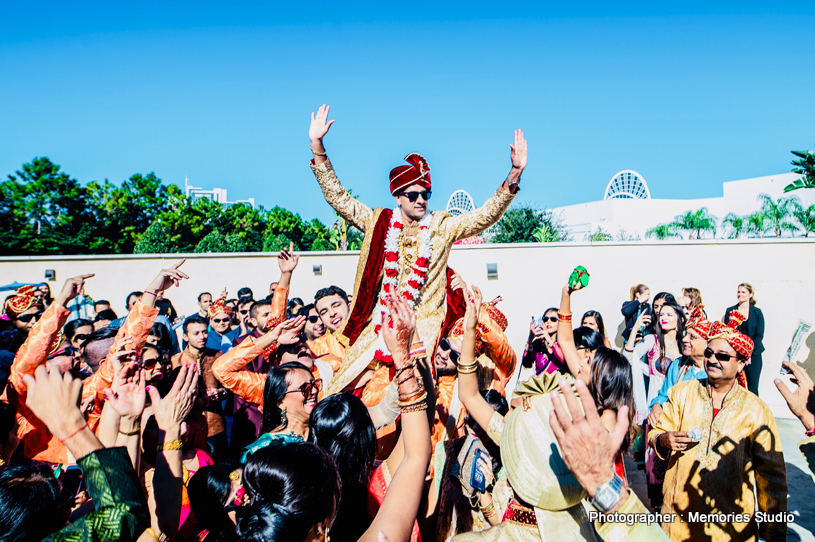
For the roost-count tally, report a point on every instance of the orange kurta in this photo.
(137, 325)
(36, 440)
(328, 348)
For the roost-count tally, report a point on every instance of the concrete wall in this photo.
(530, 278)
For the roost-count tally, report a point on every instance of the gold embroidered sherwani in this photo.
(430, 308)
(740, 447)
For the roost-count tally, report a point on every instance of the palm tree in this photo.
(662, 232)
(736, 225)
(804, 216)
(805, 166)
(695, 223)
(757, 224)
(778, 213)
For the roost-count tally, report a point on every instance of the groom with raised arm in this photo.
(404, 254)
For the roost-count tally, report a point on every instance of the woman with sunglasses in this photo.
(542, 353)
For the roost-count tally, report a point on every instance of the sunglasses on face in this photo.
(313, 319)
(413, 196)
(246, 311)
(220, 320)
(67, 351)
(721, 356)
(8, 334)
(29, 317)
(80, 337)
(454, 356)
(148, 363)
(308, 388)
(551, 319)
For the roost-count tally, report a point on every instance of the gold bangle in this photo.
(130, 433)
(412, 396)
(416, 399)
(418, 407)
(317, 153)
(170, 445)
(468, 369)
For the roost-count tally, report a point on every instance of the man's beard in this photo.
(446, 371)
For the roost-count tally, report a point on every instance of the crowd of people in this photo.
(397, 412)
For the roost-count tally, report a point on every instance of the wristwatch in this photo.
(608, 494)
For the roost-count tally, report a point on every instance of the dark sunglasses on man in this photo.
(313, 318)
(67, 351)
(28, 317)
(221, 320)
(413, 196)
(721, 356)
(444, 344)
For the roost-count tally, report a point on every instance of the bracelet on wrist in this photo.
(132, 433)
(176, 444)
(564, 317)
(417, 407)
(467, 369)
(419, 397)
(62, 440)
(154, 294)
(317, 153)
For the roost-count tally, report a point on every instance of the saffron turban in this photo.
(218, 307)
(699, 323)
(740, 342)
(21, 301)
(418, 172)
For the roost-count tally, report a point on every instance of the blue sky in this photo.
(690, 95)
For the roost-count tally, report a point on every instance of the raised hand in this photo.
(129, 396)
(319, 124)
(588, 449)
(518, 154)
(474, 301)
(800, 401)
(177, 404)
(397, 330)
(168, 277)
(457, 283)
(72, 288)
(54, 399)
(288, 331)
(287, 260)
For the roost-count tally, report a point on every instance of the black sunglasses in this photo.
(80, 336)
(29, 317)
(721, 356)
(454, 356)
(313, 319)
(552, 319)
(413, 196)
(221, 320)
(308, 388)
(245, 311)
(67, 351)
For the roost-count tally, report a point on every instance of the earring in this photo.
(327, 538)
(284, 421)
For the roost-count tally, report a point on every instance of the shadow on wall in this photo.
(809, 363)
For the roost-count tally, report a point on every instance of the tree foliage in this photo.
(805, 216)
(599, 235)
(804, 166)
(662, 232)
(778, 213)
(695, 223)
(526, 224)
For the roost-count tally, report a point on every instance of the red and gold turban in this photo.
(418, 172)
(699, 323)
(489, 316)
(22, 301)
(740, 342)
(496, 315)
(219, 306)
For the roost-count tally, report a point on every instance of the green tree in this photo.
(805, 166)
(623, 235)
(47, 211)
(599, 235)
(805, 216)
(276, 243)
(155, 240)
(525, 224)
(778, 213)
(735, 225)
(696, 223)
(124, 213)
(662, 232)
(757, 224)
(322, 244)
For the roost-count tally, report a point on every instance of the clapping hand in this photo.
(287, 260)
(177, 404)
(319, 124)
(288, 331)
(397, 330)
(801, 400)
(54, 399)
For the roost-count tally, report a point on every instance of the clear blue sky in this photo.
(690, 95)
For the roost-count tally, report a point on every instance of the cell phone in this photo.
(477, 480)
(72, 480)
(538, 321)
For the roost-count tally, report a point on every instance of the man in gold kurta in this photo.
(721, 440)
(408, 248)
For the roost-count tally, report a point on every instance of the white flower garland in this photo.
(390, 281)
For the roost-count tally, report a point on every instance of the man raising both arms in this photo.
(404, 253)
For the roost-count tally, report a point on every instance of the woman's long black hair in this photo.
(611, 386)
(340, 425)
(292, 487)
(597, 318)
(30, 499)
(209, 491)
(680, 327)
(277, 382)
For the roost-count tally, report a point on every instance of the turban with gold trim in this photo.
(21, 301)
(740, 342)
(418, 172)
(219, 306)
(699, 323)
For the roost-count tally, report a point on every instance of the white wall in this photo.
(530, 277)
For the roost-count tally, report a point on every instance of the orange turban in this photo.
(218, 307)
(699, 323)
(418, 172)
(22, 301)
(740, 342)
